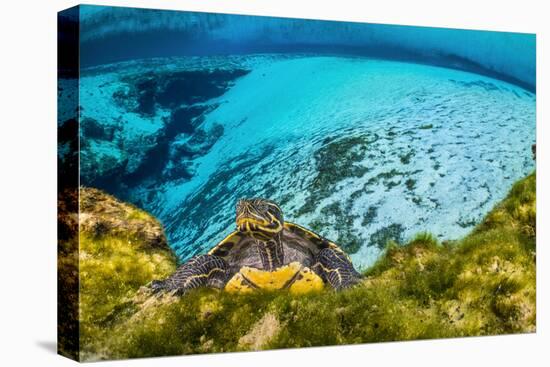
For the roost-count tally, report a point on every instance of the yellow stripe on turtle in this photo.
(293, 276)
(205, 275)
(261, 225)
(327, 270)
(232, 239)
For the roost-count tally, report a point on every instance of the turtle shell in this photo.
(299, 245)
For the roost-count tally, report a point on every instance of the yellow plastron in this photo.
(293, 276)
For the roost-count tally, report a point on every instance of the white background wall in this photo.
(28, 182)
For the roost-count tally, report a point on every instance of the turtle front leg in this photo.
(335, 268)
(200, 271)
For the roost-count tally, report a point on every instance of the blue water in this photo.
(111, 34)
(408, 133)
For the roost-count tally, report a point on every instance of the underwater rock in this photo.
(67, 215)
(188, 87)
(92, 129)
(261, 333)
(104, 163)
(145, 93)
(101, 215)
(67, 153)
(67, 271)
(121, 249)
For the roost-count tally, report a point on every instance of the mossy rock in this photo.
(121, 249)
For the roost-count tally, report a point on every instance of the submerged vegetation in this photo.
(336, 159)
(334, 216)
(121, 248)
(483, 284)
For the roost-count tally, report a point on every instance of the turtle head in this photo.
(259, 218)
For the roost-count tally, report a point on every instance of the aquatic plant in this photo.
(121, 249)
(333, 216)
(335, 160)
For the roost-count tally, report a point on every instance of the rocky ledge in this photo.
(121, 248)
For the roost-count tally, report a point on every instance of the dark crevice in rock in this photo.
(171, 90)
(146, 96)
(187, 87)
(92, 129)
(181, 121)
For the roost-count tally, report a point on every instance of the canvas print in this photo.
(240, 183)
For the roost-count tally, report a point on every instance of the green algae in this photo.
(410, 183)
(406, 158)
(391, 233)
(335, 217)
(121, 248)
(369, 215)
(335, 161)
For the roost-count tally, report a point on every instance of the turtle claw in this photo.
(335, 268)
(199, 271)
(157, 286)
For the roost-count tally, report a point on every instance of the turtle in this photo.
(265, 252)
